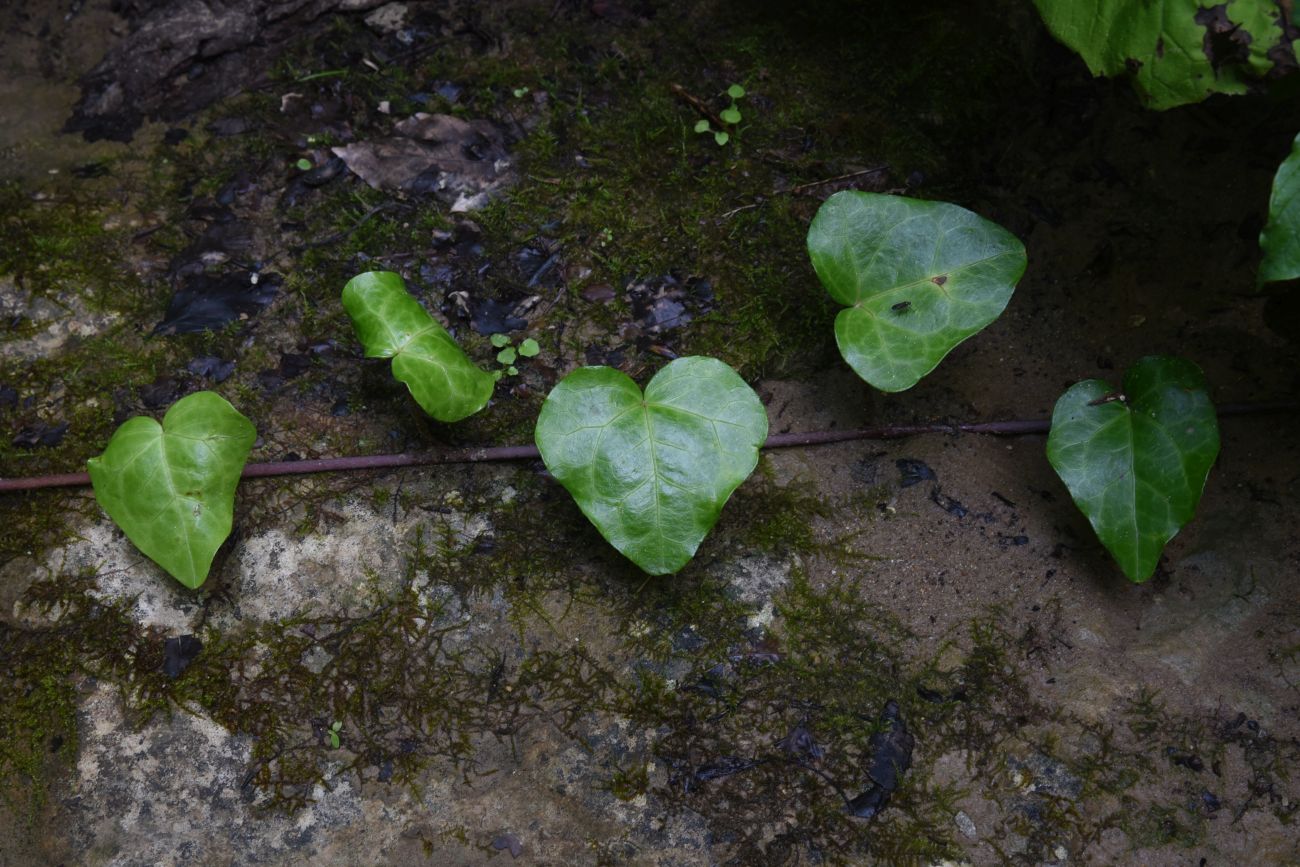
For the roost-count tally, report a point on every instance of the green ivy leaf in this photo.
(1163, 45)
(171, 487)
(529, 348)
(919, 278)
(392, 324)
(1136, 467)
(1280, 239)
(652, 471)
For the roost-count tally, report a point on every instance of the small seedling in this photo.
(730, 116)
(520, 92)
(509, 353)
(304, 165)
(333, 733)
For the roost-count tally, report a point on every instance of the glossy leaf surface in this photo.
(1280, 239)
(392, 324)
(1136, 467)
(918, 278)
(1176, 51)
(653, 471)
(171, 487)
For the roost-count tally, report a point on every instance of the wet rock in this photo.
(206, 303)
(180, 57)
(464, 163)
(50, 322)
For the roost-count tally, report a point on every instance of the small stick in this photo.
(699, 105)
(1020, 427)
(801, 188)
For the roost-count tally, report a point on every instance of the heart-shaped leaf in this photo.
(653, 471)
(919, 278)
(392, 324)
(171, 487)
(1136, 462)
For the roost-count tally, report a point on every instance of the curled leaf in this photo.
(392, 324)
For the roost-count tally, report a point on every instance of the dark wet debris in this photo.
(508, 842)
(891, 756)
(489, 316)
(211, 368)
(913, 472)
(161, 392)
(800, 745)
(178, 653)
(205, 302)
(40, 435)
(948, 504)
(690, 779)
(667, 303)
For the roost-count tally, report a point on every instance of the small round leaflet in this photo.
(1136, 461)
(171, 487)
(917, 278)
(653, 471)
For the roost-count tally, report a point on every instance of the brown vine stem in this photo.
(1022, 427)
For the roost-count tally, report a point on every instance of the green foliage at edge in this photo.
(1280, 239)
(1136, 467)
(171, 487)
(392, 324)
(653, 471)
(1161, 45)
(918, 278)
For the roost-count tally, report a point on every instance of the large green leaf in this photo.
(653, 471)
(392, 324)
(919, 278)
(1136, 463)
(1177, 51)
(171, 487)
(1280, 239)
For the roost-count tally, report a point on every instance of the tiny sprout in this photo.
(512, 370)
(529, 348)
(729, 116)
(303, 164)
(334, 734)
(520, 92)
(500, 340)
(507, 355)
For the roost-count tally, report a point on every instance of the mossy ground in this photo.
(615, 179)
